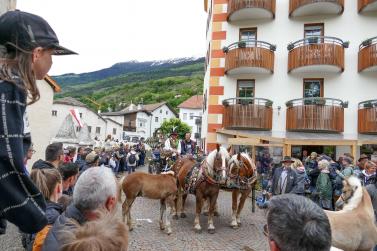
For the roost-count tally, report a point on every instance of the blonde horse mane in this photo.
(168, 173)
(212, 155)
(355, 200)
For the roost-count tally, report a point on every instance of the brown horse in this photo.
(353, 228)
(161, 187)
(210, 175)
(241, 179)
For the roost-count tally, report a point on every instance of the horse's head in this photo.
(218, 161)
(242, 165)
(352, 193)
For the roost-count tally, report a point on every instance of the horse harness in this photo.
(236, 181)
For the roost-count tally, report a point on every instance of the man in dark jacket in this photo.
(187, 145)
(95, 189)
(54, 157)
(284, 178)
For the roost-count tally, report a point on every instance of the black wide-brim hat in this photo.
(287, 159)
(26, 31)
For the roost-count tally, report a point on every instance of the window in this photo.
(313, 88)
(311, 30)
(98, 129)
(114, 131)
(89, 129)
(54, 113)
(191, 116)
(160, 110)
(245, 88)
(156, 119)
(78, 128)
(80, 115)
(141, 124)
(248, 34)
(167, 112)
(185, 116)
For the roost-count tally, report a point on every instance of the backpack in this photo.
(132, 159)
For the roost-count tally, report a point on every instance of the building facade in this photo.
(190, 112)
(40, 119)
(141, 121)
(295, 74)
(98, 126)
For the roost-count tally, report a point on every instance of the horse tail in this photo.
(120, 185)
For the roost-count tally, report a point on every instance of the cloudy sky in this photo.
(112, 31)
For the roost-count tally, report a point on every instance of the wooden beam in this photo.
(253, 153)
(249, 135)
(320, 142)
(289, 150)
(354, 152)
(243, 141)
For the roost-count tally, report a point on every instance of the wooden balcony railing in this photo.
(317, 51)
(367, 119)
(362, 4)
(247, 113)
(236, 5)
(315, 115)
(368, 54)
(250, 54)
(296, 4)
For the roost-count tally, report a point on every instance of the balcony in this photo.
(316, 54)
(367, 6)
(243, 10)
(249, 57)
(247, 113)
(368, 55)
(301, 8)
(315, 115)
(367, 121)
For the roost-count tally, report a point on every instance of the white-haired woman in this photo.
(324, 185)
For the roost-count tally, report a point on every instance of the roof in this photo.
(52, 83)
(113, 121)
(69, 101)
(195, 102)
(148, 109)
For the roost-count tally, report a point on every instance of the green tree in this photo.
(180, 127)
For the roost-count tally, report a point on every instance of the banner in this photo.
(76, 115)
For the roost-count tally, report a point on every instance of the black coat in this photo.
(54, 239)
(20, 200)
(291, 180)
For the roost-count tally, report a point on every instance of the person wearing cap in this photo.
(362, 160)
(27, 43)
(284, 178)
(347, 168)
(91, 160)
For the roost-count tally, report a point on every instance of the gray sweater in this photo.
(372, 190)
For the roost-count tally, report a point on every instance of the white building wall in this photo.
(111, 126)
(190, 122)
(143, 125)
(162, 113)
(280, 86)
(88, 117)
(40, 120)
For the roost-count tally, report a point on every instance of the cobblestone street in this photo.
(148, 236)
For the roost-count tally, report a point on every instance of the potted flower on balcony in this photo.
(319, 101)
(225, 103)
(289, 104)
(272, 47)
(313, 40)
(368, 105)
(245, 101)
(241, 44)
(346, 44)
(290, 46)
(225, 49)
(345, 104)
(367, 42)
(309, 101)
(268, 103)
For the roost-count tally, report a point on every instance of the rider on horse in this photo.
(187, 146)
(171, 144)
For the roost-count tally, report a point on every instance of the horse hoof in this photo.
(198, 231)
(211, 231)
(183, 215)
(239, 224)
(216, 214)
(175, 217)
(169, 232)
(130, 229)
(205, 213)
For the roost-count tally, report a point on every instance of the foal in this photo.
(161, 187)
(353, 228)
